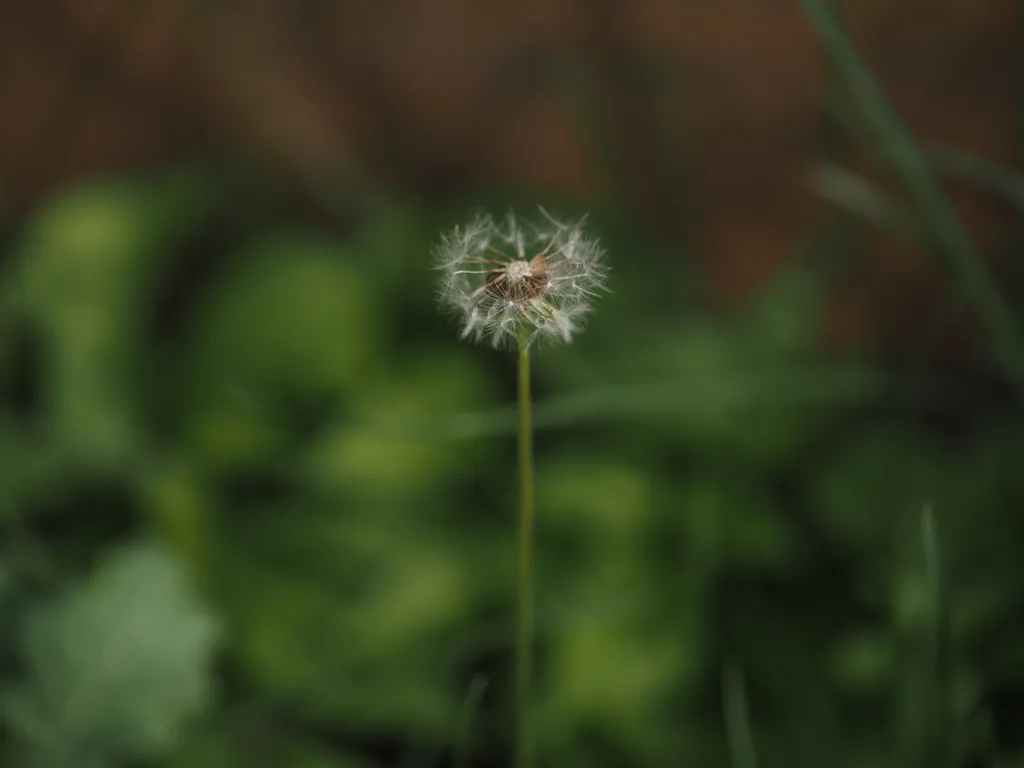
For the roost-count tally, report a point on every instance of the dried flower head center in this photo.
(518, 271)
(523, 280)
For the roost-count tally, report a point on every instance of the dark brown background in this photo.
(710, 109)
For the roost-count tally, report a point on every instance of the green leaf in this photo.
(382, 454)
(116, 666)
(287, 331)
(326, 607)
(83, 275)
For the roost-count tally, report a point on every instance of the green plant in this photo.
(518, 284)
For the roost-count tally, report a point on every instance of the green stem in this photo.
(524, 627)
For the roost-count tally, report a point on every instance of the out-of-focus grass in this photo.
(698, 398)
(939, 220)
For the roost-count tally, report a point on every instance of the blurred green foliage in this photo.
(115, 667)
(257, 509)
(332, 478)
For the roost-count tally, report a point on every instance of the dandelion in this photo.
(514, 284)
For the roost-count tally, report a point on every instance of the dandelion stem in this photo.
(524, 625)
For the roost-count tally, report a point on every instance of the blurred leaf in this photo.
(603, 502)
(84, 270)
(327, 605)
(287, 333)
(594, 522)
(33, 469)
(615, 679)
(394, 245)
(378, 456)
(116, 667)
(867, 491)
(259, 746)
(180, 504)
(864, 661)
(729, 523)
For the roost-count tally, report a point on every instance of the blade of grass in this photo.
(937, 699)
(697, 397)
(950, 238)
(737, 718)
(857, 197)
(861, 198)
(979, 171)
(467, 718)
(926, 725)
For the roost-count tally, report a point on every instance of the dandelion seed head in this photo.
(517, 271)
(520, 281)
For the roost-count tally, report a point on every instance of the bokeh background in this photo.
(257, 501)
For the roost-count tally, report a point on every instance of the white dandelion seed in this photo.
(513, 282)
